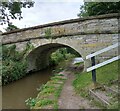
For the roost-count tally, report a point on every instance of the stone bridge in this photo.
(85, 35)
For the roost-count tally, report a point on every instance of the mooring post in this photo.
(94, 70)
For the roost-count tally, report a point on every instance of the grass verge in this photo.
(48, 95)
(104, 75)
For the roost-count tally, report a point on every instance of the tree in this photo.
(98, 8)
(12, 10)
(11, 27)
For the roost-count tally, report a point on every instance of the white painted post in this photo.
(103, 63)
(92, 56)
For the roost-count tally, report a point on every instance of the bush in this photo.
(60, 55)
(13, 64)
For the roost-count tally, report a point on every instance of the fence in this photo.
(92, 57)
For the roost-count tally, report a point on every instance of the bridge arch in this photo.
(86, 35)
(38, 58)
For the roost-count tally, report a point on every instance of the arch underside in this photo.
(38, 58)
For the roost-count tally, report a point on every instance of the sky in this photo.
(47, 11)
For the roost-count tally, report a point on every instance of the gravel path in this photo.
(69, 99)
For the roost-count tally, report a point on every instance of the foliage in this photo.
(28, 48)
(57, 78)
(60, 55)
(48, 90)
(48, 33)
(12, 10)
(115, 105)
(98, 8)
(44, 102)
(57, 92)
(31, 102)
(13, 71)
(11, 27)
(13, 63)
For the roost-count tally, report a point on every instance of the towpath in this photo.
(69, 99)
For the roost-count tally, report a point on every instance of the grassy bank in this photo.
(105, 75)
(48, 94)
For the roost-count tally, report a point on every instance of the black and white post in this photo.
(94, 70)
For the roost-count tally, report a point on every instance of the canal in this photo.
(15, 94)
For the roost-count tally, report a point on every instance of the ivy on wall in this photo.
(48, 33)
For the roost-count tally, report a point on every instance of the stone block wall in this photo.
(85, 35)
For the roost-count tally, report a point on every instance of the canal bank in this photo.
(59, 93)
(47, 97)
(50, 95)
(15, 94)
(27, 87)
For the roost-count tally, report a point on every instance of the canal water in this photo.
(15, 94)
